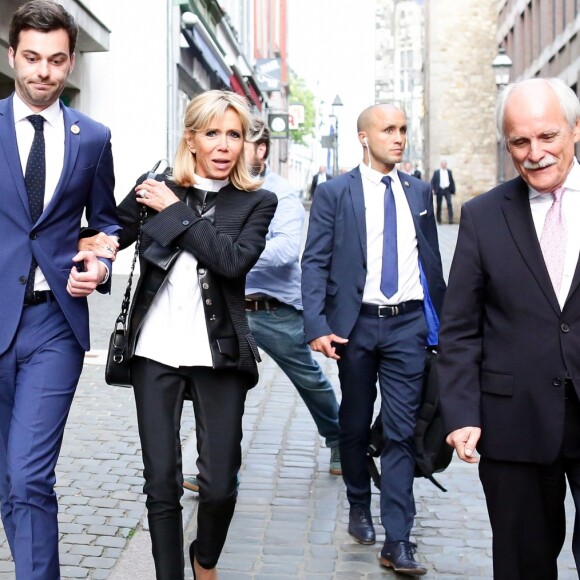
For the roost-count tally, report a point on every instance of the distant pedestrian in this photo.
(319, 178)
(509, 366)
(55, 165)
(443, 186)
(372, 286)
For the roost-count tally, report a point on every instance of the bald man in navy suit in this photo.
(373, 288)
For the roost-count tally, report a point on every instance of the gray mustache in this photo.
(545, 162)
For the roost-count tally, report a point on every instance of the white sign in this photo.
(296, 113)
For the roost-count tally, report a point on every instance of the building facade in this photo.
(460, 93)
(542, 39)
(399, 42)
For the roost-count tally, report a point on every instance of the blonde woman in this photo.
(205, 229)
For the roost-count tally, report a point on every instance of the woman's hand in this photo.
(102, 245)
(155, 194)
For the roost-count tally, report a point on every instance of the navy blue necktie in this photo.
(390, 270)
(35, 180)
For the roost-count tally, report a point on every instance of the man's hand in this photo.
(83, 283)
(324, 345)
(464, 441)
(102, 245)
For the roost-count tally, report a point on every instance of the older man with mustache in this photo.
(509, 368)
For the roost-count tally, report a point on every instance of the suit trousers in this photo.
(444, 193)
(218, 402)
(526, 508)
(39, 373)
(392, 349)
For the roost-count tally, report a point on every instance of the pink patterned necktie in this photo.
(553, 240)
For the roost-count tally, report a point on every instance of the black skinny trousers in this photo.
(218, 401)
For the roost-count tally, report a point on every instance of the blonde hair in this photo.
(199, 115)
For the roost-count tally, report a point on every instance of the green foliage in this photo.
(300, 94)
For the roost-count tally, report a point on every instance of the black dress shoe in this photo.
(400, 557)
(360, 524)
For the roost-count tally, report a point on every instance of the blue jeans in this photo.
(280, 333)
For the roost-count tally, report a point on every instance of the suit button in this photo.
(557, 382)
(205, 286)
(33, 236)
(212, 318)
(565, 327)
(185, 222)
(208, 302)
(22, 280)
(201, 271)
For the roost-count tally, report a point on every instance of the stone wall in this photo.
(461, 92)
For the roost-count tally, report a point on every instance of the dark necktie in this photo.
(35, 179)
(390, 270)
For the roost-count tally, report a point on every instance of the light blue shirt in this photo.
(277, 272)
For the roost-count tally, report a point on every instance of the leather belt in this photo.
(39, 297)
(390, 310)
(266, 304)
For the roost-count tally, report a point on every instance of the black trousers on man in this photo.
(526, 508)
(440, 194)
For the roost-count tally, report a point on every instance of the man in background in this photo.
(320, 177)
(443, 186)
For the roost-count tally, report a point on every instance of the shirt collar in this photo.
(375, 176)
(572, 181)
(22, 110)
(209, 184)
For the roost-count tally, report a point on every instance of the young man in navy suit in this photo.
(372, 288)
(55, 164)
(509, 364)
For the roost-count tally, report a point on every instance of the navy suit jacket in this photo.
(334, 263)
(86, 184)
(506, 348)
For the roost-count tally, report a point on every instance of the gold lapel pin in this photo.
(75, 129)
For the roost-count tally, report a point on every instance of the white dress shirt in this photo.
(174, 331)
(443, 179)
(540, 205)
(54, 152)
(408, 253)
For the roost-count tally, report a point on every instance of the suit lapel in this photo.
(518, 215)
(72, 140)
(358, 205)
(9, 146)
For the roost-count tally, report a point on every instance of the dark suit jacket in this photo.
(505, 346)
(229, 249)
(86, 183)
(335, 256)
(435, 181)
(314, 183)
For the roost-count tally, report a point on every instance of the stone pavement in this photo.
(291, 517)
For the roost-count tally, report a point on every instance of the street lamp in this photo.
(335, 106)
(501, 66)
